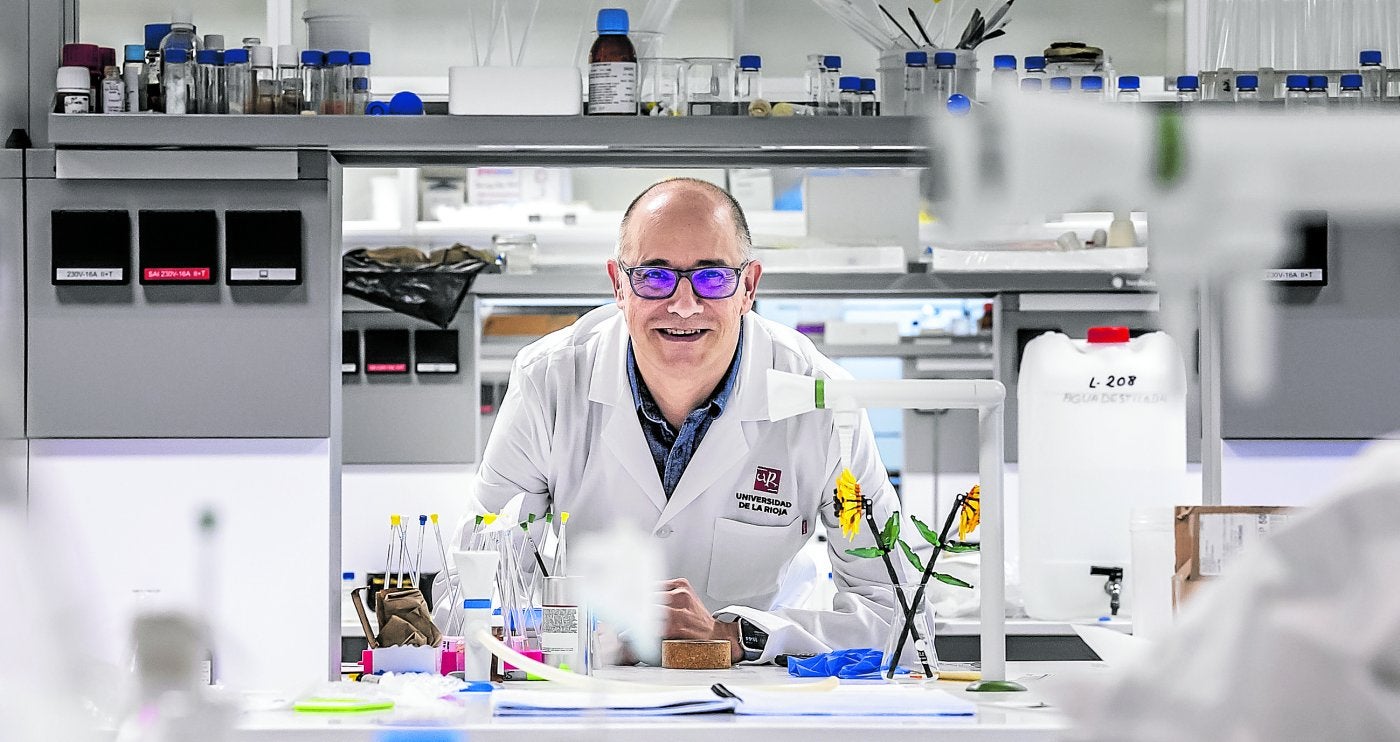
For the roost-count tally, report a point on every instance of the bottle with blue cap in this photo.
(830, 103)
(133, 58)
(1350, 93)
(476, 660)
(612, 67)
(1317, 90)
(749, 85)
(176, 81)
(209, 83)
(1373, 75)
(1129, 89)
(1295, 92)
(869, 106)
(1247, 90)
(152, 89)
(1188, 88)
(313, 63)
(1004, 76)
(238, 82)
(915, 78)
(1035, 67)
(359, 82)
(335, 79)
(849, 96)
(1091, 86)
(945, 76)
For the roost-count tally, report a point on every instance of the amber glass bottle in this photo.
(612, 67)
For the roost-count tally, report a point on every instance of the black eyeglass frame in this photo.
(686, 274)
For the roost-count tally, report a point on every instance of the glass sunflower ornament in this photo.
(848, 504)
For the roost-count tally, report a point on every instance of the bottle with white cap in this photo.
(74, 91)
(288, 80)
(264, 81)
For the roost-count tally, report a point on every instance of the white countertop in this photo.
(1005, 718)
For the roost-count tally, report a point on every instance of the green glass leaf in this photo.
(950, 580)
(961, 547)
(866, 552)
(926, 532)
(912, 557)
(891, 532)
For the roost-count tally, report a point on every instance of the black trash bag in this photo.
(404, 279)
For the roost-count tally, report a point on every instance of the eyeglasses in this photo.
(710, 282)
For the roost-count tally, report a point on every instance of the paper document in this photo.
(698, 700)
(884, 700)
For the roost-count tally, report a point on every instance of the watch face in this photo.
(751, 636)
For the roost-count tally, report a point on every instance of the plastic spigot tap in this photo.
(1114, 585)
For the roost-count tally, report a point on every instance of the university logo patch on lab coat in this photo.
(766, 480)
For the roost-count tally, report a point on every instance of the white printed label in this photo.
(436, 368)
(88, 274)
(559, 629)
(113, 96)
(262, 274)
(612, 87)
(1224, 536)
(1293, 274)
(75, 104)
(348, 368)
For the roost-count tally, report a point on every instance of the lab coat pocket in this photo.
(748, 560)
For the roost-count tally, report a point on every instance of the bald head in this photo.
(682, 200)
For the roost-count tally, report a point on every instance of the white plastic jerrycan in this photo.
(1102, 430)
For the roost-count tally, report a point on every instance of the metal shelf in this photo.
(521, 140)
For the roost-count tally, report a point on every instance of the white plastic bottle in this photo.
(1102, 430)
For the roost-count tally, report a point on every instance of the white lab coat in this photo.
(1299, 641)
(567, 433)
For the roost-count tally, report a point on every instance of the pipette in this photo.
(418, 558)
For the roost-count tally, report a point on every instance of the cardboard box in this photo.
(1211, 537)
(526, 324)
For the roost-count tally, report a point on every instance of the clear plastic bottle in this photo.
(1247, 89)
(830, 103)
(945, 77)
(612, 67)
(182, 36)
(1188, 88)
(312, 68)
(263, 82)
(288, 81)
(1004, 76)
(1296, 93)
(1061, 85)
(869, 106)
(152, 90)
(849, 99)
(1373, 74)
(1129, 89)
(1317, 90)
(750, 82)
(335, 98)
(1091, 86)
(1032, 85)
(1351, 93)
(359, 82)
(915, 78)
(209, 84)
(175, 79)
(238, 88)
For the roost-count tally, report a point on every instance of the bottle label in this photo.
(113, 96)
(559, 629)
(75, 104)
(612, 87)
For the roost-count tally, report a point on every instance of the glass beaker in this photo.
(647, 43)
(661, 86)
(709, 86)
(912, 649)
(518, 252)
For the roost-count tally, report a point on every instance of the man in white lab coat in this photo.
(654, 412)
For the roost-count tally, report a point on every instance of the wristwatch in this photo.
(752, 639)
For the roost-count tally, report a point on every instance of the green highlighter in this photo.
(341, 705)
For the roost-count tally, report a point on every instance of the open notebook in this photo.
(886, 700)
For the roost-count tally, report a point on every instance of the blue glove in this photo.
(847, 664)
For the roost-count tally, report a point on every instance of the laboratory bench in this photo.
(1020, 716)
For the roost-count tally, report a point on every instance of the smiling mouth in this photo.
(681, 335)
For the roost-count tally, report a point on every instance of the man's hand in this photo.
(687, 618)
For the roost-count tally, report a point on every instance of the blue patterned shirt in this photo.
(672, 449)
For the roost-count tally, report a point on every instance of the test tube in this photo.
(312, 77)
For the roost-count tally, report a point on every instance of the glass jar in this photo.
(709, 85)
(913, 650)
(662, 86)
(517, 252)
